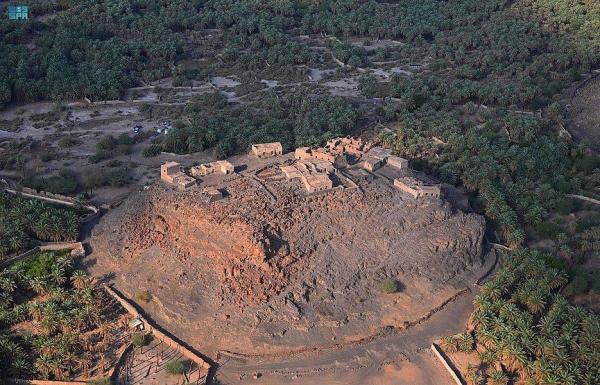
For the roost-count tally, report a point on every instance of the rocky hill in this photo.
(276, 255)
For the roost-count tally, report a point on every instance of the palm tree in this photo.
(465, 342)
(36, 309)
(103, 363)
(19, 313)
(536, 301)
(492, 290)
(64, 261)
(59, 293)
(57, 368)
(57, 275)
(7, 284)
(20, 367)
(79, 279)
(43, 364)
(38, 285)
(449, 344)
(84, 364)
(48, 325)
(479, 301)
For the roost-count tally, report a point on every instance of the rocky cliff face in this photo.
(279, 254)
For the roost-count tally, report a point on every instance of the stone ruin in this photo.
(417, 188)
(171, 173)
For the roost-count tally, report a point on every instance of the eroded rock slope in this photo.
(279, 254)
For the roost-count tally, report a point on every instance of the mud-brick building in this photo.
(171, 173)
(304, 153)
(314, 174)
(379, 153)
(266, 150)
(220, 166)
(169, 170)
(347, 145)
(371, 164)
(317, 182)
(416, 188)
(397, 162)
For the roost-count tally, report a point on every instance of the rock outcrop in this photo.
(278, 255)
(255, 246)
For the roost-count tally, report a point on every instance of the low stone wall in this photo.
(77, 250)
(202, 365)
(49, 197)
(438, 353)
(19, 257)
(113, 373)
(43, 382)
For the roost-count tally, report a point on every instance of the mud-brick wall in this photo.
(157, 333)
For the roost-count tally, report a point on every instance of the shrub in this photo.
(99, 156)
(143, 296)
(580, 283)
(554, 262)
(174, 367)
(44, 156)
(566, 206)
(548, 230)
(418, 164)
(64, 183)
(596, 282)
(390, 286)
(140, 339)
(587, 164)
(151, 151)
(66, 141)
(113, 163)
(123, 149)
(118, 177)
(587, 223)
(109, 142)
(125, 139)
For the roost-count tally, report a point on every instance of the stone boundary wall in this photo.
(76, 250)
(583, 198)
(583, 83)
(19, 257)
(43, 382)
(438, 353)
(49, 197)
(113, 372)
(159, 334)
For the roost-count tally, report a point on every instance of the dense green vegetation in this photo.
(65, 183)
(67, 311)
(25, 221)
(297, 121)
(521, 53)
(521, 322)
(505, 55)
